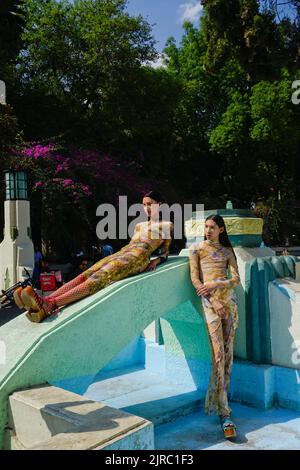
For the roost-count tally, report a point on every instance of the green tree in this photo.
(88, 79)
(11, 24)
(226, 64)
(9, 132)
(275, 132)
(78, 52)
(10, 43)
(199, 104)
(261, 46)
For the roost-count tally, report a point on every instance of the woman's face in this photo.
(212, 230)
(151, 207)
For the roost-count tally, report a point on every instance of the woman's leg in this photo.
(78, 292)
(113, 270)
(68, 286)
(228, 335)
(81, 277)
(216, 397)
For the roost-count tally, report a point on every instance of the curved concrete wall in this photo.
(85, 336)
(259, 273)
(284, 298)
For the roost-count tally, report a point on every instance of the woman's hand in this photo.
(202, 290)
(219, 308)
(152, 265)
(206, 288)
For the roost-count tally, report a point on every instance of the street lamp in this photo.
(16, 185)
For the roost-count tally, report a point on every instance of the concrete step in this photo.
(143, 393)
(48, 417)
(257, 429)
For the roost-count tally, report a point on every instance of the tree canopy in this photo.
(215, 122)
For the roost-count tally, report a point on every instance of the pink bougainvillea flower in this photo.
(59, 168)
(67, 182)
(37, 151)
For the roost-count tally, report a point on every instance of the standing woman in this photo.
(209, 261)
(149, 238)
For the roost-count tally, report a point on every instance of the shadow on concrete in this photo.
(256, 429)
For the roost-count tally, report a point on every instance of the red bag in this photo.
(48, 282)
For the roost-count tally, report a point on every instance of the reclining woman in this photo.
(134, 258)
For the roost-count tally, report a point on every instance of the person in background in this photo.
(76, 256)
(80, 267)
(45, 268)
(102, 250)
(38, 257)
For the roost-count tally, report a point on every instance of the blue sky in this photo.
(168, 16)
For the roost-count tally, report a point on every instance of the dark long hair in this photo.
(156, 196)
(223, 237)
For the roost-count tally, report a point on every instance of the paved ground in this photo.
(8, 313)
(144, 394)
(276, 429)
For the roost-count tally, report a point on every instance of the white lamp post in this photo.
(16, 249)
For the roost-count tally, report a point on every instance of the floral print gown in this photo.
(148, 239)
(209, 261)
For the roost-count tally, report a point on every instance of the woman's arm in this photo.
(165, 247)
(164, 251)
(201, 288)
(137, 229)
(235, 277)
(194, 266)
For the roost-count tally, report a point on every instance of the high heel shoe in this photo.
(228, 427)
(17, 295)
(38, 308)
(28, 299)
(36, 316)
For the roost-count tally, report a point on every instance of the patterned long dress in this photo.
(209, 262)
(131, 259)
